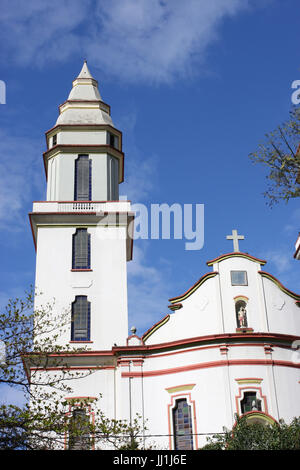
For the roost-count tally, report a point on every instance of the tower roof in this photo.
(85, 73)
(84, 104)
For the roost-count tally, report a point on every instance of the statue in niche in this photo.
(241, 314)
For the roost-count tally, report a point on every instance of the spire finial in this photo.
(85, 73)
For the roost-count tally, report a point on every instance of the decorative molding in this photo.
(175, 300)
(174, 307)
(252, 380)
(155, 327)
(207, 365)
(180, 388)
(244, 330)
(236, 255)
(278, 284)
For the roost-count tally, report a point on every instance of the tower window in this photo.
(54, 140)
(113, 140)
(83, 178)
(113, 178)
(239, 278)
(250, 403)
(81, 249)
(182, 423)
(80, 325)
(79, 437)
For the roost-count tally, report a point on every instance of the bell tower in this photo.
(82, 232)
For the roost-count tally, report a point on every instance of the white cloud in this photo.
(130, 39)
(20, 176)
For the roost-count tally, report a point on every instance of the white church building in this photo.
(228, 345)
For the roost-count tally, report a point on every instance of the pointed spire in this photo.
(84, 104)
(85, 73)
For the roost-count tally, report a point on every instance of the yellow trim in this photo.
(248, 381)
(280, 286)
(180, 388)
(80, 399)
(193, 289)
(254, 416)
(155, 328)
(241, 297)
(236, 255)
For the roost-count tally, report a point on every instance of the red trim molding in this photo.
(281, 286)
(235, 255)
(207, 365)
(191, 290)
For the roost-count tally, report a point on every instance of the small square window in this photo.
(239, 278)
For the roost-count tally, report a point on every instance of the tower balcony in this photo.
(84, 213)
(81, 206)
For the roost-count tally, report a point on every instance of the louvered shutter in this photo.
(81, 249)
(83, 169)
(80, 330)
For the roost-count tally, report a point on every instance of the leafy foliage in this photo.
(45, 421)
(258, 436)
(279, 153)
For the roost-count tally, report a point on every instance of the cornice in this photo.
(191, 290)
(278, 284)
(85, 148)
(235, 255)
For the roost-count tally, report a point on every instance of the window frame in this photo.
(86, 338)
(75, 266)
(238, 283)
(77, 162)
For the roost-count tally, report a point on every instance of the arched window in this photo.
(241, 312)
(83, 178)
(81, 249)
(182, 425)
(80, 324)
(79, 435)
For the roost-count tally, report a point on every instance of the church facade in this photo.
(228, 345)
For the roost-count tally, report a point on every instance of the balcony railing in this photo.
(81, 206)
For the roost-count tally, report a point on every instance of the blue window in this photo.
(81, 249)
(80, 324)
(83, 178)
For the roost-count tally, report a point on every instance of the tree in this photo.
(257, 436)
(279, 152)
(44, 420)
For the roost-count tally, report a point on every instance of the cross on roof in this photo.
(235, 237)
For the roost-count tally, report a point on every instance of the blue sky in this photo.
(193, 86)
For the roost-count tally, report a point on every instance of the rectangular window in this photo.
(80, 325)
(81, 249)
(113, 140)
(239, 278)
(113, 178)
(250, 403)
(54, 140)
(83, 178)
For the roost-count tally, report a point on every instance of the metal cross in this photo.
(235, 237)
